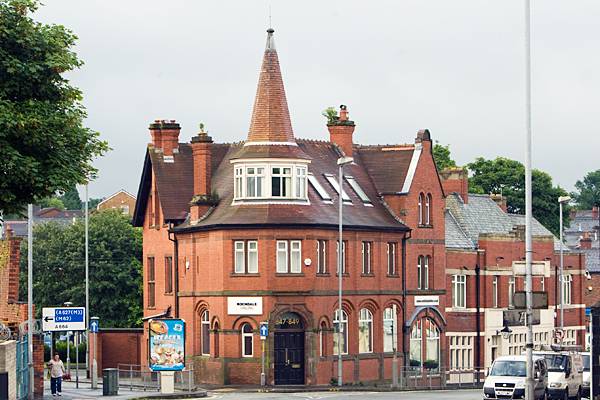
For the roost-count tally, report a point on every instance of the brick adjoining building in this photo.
(481, 235)
(236, 234)
(122, 201)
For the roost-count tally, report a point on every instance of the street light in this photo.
(68, 304)
(562, 200)
(505, 332)
(341, 162)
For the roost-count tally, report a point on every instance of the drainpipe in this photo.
(404, 327)
(176, 267)
(478, 317)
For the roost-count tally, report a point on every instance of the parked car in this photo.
(585, 392)
(506, 378)
(565, 374)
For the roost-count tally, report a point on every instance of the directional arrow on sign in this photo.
(46, 318)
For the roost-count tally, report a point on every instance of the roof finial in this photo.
(270, 40)
(270, 26)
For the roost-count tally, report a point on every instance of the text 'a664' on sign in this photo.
(63, 319)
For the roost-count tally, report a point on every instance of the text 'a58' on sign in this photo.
(63, 319)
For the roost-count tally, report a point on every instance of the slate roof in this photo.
(387, 165)
(583, 222)
(465, 222)
(323, 156)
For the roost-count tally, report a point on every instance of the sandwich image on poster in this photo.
(167, 344)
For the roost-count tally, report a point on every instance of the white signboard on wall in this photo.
(427, 301)
(244, 306)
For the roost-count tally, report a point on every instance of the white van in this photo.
(565, 374)
(586, 374)
(506, 378)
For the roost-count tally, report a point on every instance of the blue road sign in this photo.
(94, 325)
(63, 319)
(264, 330)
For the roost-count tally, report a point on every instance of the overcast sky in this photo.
(454, 67)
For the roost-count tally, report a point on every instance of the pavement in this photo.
(70, 392)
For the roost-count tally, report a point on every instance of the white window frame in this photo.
(337, 252)
(423, 272)
(389, 324)
(495, 291)
(428, 200)
(344, 328)
(239, 249)
(244, 336)
(365, 327)
(252, 249)
(318, 187)
(512, 284)
(391, 269)
(420, 208)
(333, 181)
(567, 289)
(291, 250)
(321, 256)
(245, 172)
(357, 189)
(205, 321)
(366, 247)
(459, 291)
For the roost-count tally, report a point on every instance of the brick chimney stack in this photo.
(341, 130)
(456, 180)
(202, 156)
(586, 241)
(165, 136)
(500, 200)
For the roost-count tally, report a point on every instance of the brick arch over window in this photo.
(237, 324)
(369, 304)
(347, 306)
(389, 303)
(199, 309)
(428, 312)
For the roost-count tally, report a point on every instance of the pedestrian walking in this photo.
(57, 369)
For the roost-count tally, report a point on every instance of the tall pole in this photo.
(529, 387)
(340, 264)
(562, 308)
(87, 284)
(30, 296)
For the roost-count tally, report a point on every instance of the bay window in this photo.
(253, 181)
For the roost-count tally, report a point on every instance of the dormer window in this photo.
(264, 181)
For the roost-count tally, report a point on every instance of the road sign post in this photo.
(264, 333)
(94, 326)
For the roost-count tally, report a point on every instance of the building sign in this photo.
(518, 317)
(288, 320)
(244, 306)
(427, 300)
(167, 344)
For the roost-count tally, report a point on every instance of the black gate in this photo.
(289, 350)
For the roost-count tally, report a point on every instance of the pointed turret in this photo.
(270, 116)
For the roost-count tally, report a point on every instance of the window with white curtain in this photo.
(423, 272)
(432, 348)
(459, 291)
(365, 331)
(416, 338)
(289, 256)
(340, 328)
(567, 284)
(245, 256)
(390, 330)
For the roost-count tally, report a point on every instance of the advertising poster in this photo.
(167, 344)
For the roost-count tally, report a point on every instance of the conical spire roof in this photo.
(270, 116)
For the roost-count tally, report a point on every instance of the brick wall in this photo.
(12, 313)
(38, 366)
(120, 347)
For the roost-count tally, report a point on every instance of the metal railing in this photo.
(439, 378)
(136, 377)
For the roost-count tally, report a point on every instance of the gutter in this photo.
(404, 327)
(176, 268)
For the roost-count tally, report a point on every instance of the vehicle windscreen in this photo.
(508, 368)
(586, 362)
(556, 362)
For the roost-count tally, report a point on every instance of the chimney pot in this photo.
(585, 242)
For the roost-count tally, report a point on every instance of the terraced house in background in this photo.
(236, 234)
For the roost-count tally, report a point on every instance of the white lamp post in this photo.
(561, 200)
(342, 161)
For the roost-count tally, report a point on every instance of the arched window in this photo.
(420, 208)
(205, 332)
(416, 338)
(247, 336)
(340, 325)
(428, 200)
(390, 330)
(365, 331)
(322, 340)
(423, 272)
(432, 347)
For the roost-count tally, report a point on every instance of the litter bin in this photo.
(110, 382)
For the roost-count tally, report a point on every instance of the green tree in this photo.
(71, 199)
(44, 147)
(52, 202)
(588, 191)
(442, 156)
(506, 176)
(115, 267)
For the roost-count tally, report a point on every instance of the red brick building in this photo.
(486, 244)
(236, 234)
